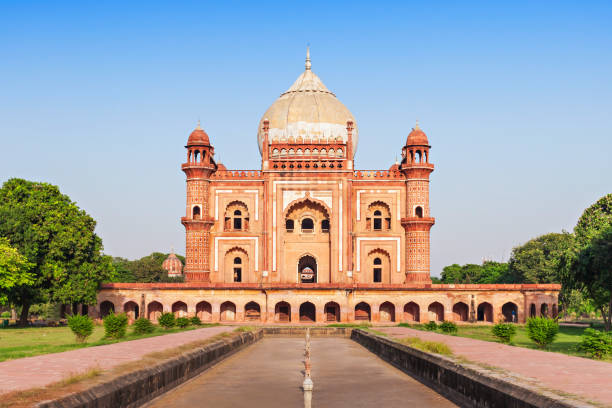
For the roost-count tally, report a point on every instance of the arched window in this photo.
(339, 153)
(377, 270)
(307, 225)
(325, 226)
(378, 217)
(196, 212)
(237, 269)
(196, 156)
(236, 217)
(289, 225)
(418, 211)
(418, 156)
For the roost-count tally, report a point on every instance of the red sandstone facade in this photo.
(309, 238)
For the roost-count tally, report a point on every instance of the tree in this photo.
(14, 270)
(58, 239)
(587, 265)
(488, 272)
(146, 269)
(537, 261)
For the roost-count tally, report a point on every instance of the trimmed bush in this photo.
(195, 320)
(183, 322)
(81, 326)
(166, 320)
(431, 326)
(595, 343)
(115, 325)
(143, 326)
(542, 330)
(504, 332)
(448, 327)
(6, 315)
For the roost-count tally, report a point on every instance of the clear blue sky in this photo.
(516, 98)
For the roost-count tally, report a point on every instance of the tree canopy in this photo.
(488, 272)
(537, 260)
(57, 238)
(587, 265)
(14, 270)
(146, 269)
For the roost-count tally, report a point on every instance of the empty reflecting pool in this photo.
(270, 374)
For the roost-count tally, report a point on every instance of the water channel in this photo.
(270, 374)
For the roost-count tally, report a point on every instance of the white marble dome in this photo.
(308, 110)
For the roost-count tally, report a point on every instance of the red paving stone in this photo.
(39, 371)
(587, 378)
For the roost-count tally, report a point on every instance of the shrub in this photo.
(448, 327)
(183, 322)
(430, 346)
(6, 315)
(595, 343)
(542, 330)
(143, 326)
(504, 332)
(81, 326)
(431, 326)
(166, 320)
(115, 325)
(195, 320)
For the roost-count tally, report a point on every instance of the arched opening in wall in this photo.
(484, 312)
(426, 156)
(510, 312)
(282, 312)
(106, 308)
(196, 156)
(131, 309)
(386, 312)
(308, 312)
(236, 217)
(377, 270)
(236, 265)
(252, 311)
(228, 312)
(412, 312)
(532, 310)
(289, 225)
(203, 156)
(204, 311)
(362, 312)
(325, 226)
(460, 312)
(544, 310)
(332, 312)
(418, 212)
(307, 225)
(378, 216)
(179, 309)
(154, 311)
(411, 156)
(196, 212)
(555, 311)
(418, 156)
(436, 312)
(307, 269)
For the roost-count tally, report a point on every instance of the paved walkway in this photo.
(39, 371)
(587, 378)
(270, 374)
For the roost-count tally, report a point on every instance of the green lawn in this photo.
(565, 342)
(33, 341)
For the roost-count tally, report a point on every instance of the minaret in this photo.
(198, 168)
(416, 167)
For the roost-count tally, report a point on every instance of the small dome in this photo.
(395, 167)
(417, 137)
(198, 137)
(173, 265)
(308, 111)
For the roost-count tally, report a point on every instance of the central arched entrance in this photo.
(307, 269)
(307, 312)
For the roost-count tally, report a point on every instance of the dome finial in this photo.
(416, 127)
(199, 127)
(308, 64)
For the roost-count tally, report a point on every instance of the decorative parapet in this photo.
(378, 174)
(307, 164)
(325, 286)
(236, 174)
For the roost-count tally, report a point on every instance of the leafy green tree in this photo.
(14, 270)
(488, 272)
(58, 239)
(537, 260)
(146, 269)
(587, 266)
